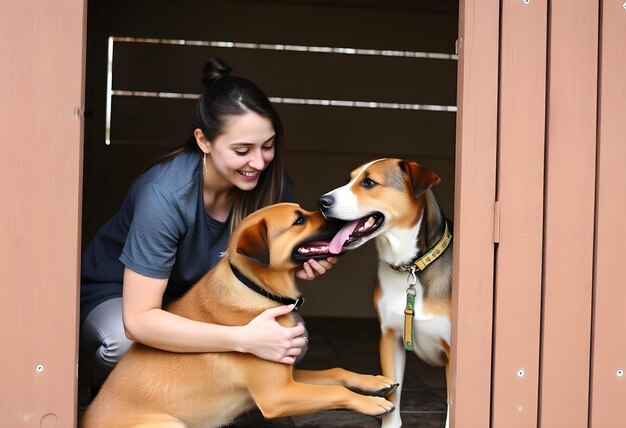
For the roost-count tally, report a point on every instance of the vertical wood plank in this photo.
(569, 213)
(608, 388)
(520, 194)
(41, 82)
(470, 365)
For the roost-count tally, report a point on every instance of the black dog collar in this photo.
(254, 287)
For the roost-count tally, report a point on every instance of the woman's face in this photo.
(243, 150)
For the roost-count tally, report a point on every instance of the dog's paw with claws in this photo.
(373, 406)
(378, 386)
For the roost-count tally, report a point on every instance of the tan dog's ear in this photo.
(421, 178)
(252, 243)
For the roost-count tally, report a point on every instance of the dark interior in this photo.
(352, 81)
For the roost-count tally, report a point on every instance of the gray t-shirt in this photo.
(162, 230)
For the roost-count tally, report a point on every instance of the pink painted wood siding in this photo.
(558, 292)
(517, 324)
(569, 213)
(41, 102)
(608, 368)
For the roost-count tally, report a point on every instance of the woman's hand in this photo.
(311, 269)
(267, 339)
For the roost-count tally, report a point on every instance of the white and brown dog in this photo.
(390, 200)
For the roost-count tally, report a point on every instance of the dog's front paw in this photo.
(388, 390)
(379, 386)
(373, 406)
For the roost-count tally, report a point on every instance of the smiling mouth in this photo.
(353, 231)
(249, 174)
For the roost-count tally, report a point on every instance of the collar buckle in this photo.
(299, 302)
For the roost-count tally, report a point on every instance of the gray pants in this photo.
(102, 344)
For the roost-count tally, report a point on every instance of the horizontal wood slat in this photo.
(325, 24)
(176, 68)
(168, 122)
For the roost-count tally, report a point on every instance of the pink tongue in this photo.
(336, 245)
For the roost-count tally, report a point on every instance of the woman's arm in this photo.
(146, 322)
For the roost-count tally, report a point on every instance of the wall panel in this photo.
(517, 312)
(608, 387)
(470, 365)
(569, 213)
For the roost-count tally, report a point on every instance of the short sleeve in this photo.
(155, 230)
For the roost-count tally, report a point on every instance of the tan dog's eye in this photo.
(299, 220)
(368, 183)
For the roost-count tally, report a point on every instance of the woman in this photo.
(172, 227)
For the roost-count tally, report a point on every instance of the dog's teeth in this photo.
(316, 250)
(369, 223)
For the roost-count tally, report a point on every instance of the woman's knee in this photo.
(104, 328)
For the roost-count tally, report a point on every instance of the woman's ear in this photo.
(202, 141)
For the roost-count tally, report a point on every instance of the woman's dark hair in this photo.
(225, 96)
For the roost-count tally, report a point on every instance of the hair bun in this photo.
(214, 70)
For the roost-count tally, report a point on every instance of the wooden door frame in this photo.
(475, 212)
(42, 46)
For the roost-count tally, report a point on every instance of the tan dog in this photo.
(390, 200)
(154, 388)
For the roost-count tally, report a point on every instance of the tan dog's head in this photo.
(381, 194)
(283, 236)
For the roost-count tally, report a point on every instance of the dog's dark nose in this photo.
(326, 201)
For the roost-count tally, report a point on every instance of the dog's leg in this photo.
(392, 361)
(276, 394)
(446, 350)
(448, 394)
(363, 384)
(300, 398)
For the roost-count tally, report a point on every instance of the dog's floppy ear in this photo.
(421, 178)
(252, 243)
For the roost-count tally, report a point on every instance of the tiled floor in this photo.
(352, 343)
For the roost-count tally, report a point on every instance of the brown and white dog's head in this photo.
(382, 194)
(282, 237)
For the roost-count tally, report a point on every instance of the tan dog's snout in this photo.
(284, 236)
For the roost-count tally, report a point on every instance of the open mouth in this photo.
(312, 250)
(317, 247)
(353, 231)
